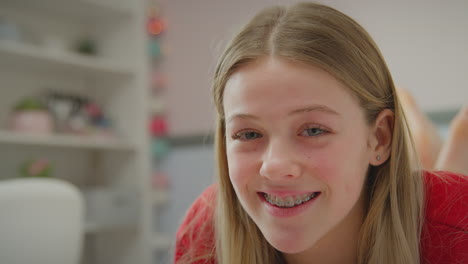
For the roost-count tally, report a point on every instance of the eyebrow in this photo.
(307, 109)
(312, 108)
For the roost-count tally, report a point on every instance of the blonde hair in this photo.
(322, 36)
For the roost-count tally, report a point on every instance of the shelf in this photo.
(36, 59)
(43, 60)
(67, 141)
(93, 228)
(162, 241)
(80, 10)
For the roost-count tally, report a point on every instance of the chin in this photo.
(289, 246)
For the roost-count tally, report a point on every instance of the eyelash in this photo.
(322, 130)
(239, 135)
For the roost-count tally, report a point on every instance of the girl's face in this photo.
(298, 151)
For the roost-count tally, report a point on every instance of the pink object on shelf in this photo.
(158, 126)
(93, 110)
(34, 122)
(158, 81)
(38, 166)
(160, 181)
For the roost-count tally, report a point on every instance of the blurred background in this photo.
(113, 98)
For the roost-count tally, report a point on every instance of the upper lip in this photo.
(286, 193)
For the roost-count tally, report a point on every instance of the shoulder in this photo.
(195, 238)
(445, 230)
(203, 205)
(447, 198)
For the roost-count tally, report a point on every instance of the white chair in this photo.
(41, 221)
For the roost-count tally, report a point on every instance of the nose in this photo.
(280, 162)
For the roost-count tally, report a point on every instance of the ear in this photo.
(380, 138)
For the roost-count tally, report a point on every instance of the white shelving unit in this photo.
(66, 141)
(82, 10)
(37, 59)
(116, 78)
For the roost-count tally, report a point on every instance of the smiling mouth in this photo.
(289, 201)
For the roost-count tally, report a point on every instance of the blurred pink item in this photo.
(93, 110)
(38, 166)
(35, 122)
(160, 180)
(158, 81)
(158, 126)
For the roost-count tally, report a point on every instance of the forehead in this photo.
(277, 85)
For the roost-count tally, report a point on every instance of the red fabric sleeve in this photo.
(195, 237)
(445, 232)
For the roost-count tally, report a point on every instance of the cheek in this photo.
(340, 163)
(242, 168)
(324, 163)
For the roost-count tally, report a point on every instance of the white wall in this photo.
(424, 43)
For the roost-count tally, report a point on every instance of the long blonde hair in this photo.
(322, 36)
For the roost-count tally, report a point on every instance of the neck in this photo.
(339, 246)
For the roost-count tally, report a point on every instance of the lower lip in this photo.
(287, 212)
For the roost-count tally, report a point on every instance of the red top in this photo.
(444, 239)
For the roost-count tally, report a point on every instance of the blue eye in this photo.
(313, 131)
(247, 135)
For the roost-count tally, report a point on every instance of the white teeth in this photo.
(289, 201)
(298, 200)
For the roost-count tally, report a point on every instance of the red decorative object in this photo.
(93, 110)
(155, 26)
(158, 126)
